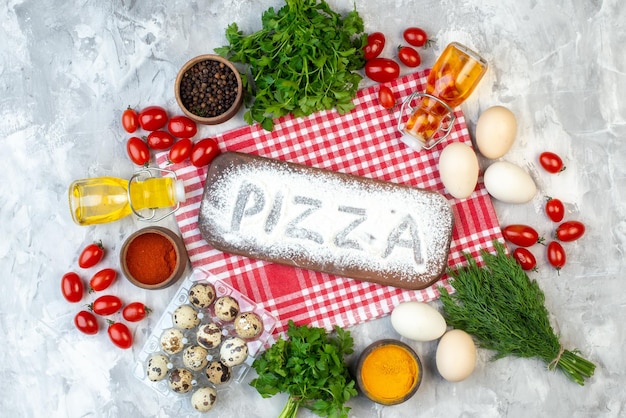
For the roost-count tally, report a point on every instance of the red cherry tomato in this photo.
(375, 45)
(556, 255)
(138, 151)
(86, 322)
(570, 231)
(555, 209)
(106, 305)
(91, 255)
(551, 162)
(180, 151)
(525, 258)
(382, 70)
(160, 140)
(72, 287)
(102, 279)
(120, 335)
(204, 151)
(522, 235)
(130, 120)
(386, 97)
(182, 127)
(152, 118)
(136, 311)
(415, 36)
(408, 56)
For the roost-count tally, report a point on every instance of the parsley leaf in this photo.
(303, 60)
(310, 367)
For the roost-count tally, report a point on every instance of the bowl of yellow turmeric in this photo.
(389, 372)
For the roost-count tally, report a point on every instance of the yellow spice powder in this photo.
(389, 372)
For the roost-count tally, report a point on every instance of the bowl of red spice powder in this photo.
(209, 89)
(153, 258)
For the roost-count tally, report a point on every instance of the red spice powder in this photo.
(151, 258)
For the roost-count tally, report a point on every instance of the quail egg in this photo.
(226, 308)
(218, 373)
(157, 367)
(233, 351)
(201, 295)
(204, 399)
(186, 317)
(172, 341)
(248, 325)
(209, 335)
(181, 380)
(195, 357)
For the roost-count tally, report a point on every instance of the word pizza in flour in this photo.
(325, 221)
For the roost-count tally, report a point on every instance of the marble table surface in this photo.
(69, 68)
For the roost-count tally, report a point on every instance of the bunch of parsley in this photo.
(303, 60)
(311, 368)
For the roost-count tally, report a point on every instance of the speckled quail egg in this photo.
(201, 295)
(248, 325)
(209, 335)
(195, 357)
(226, 308)
(181, 380)
(233, 351)
(172, 341)
(204, 399)
(218, 373)
(157, 367)
(185, 317)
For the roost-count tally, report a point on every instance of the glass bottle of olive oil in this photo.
(107, 199)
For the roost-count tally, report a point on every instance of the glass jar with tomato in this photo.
(452, 79)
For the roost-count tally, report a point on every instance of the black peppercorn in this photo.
(208, 88)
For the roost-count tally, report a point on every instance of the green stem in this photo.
(291, 408)
(575, 367)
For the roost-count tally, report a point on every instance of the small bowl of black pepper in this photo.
(208, 89)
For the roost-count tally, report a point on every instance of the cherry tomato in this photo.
(555, 209)
(120, 335)
(386, 97)
(136, 311)
(91, 255)
(102, 279)
(130, 120)
(204, 151)
(525, 258)
(86, 322)
(138, 151)
(72, 287)
(182, 127)
(160, 140)
(375, 45)
(556, 255)
(106, 305)
(551, 162)
(382, 69)
(415, 36)
(570, 231)
(152, 118)
(180, 151)
(408, 56)
(522, 235)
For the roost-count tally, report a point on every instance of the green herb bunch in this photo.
(311, 368)
(504, 310)
(303, 60)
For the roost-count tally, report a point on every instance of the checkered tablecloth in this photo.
(364, 142)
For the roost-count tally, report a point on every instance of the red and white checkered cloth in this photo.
(364, 142)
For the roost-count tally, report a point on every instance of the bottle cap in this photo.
(179, 190)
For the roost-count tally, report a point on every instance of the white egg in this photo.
(509, 183)
(418, 321)
(495, 131)
(458, 169)
(456, 355)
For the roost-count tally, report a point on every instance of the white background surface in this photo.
(68, 69)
